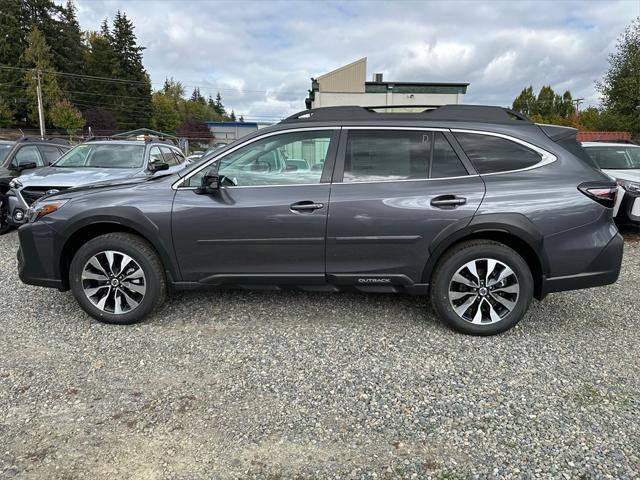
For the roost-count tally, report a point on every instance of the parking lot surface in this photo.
(235, 384)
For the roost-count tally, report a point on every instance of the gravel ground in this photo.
(234, 384)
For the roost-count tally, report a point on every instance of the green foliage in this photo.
(547, 106)
(165, 115)
(45, 35)
(620, 86)
(38, 57)
(6, 114)
(64, 115)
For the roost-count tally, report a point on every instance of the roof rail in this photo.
(456, 113)
(60, 141)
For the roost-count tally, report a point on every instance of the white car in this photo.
(622, 162)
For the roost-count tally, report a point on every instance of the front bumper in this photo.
(16, 209)
(39, 256)
(604, 270)
(629, 211)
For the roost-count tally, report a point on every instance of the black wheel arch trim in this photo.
(512, 224)
(132, 220)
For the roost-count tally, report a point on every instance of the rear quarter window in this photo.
(490, 154)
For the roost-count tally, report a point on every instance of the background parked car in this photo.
(96, 161)
(622, 162)
(17, 156)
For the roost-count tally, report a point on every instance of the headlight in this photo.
(44, 208)
(15, 183)
(629, 186)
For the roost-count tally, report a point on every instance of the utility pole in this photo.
(40, 107)
(578, 101)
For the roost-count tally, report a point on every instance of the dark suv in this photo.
(477, 206)
(27, 153)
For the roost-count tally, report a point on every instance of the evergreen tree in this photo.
(70, 49)
(12, 41)
(6, 114)
(129, 67)
(218, 107)
(241, 119)
(38, 58)
(232, 116)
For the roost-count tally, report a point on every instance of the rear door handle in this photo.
(448, 201)
(306, 206)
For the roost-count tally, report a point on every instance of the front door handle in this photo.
(448, 201)
(306, 206)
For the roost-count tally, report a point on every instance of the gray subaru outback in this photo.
(476, 206)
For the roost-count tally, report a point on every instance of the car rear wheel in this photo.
(117, 278)
(481, 287)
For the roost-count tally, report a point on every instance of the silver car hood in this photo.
(74, 177)
(632, 174)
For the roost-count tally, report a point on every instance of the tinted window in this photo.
(28, 154)
(169, 156)
(286, 159)
(4, 150)
(445, 161)
(379, 155)
(50, 153)
(491, 154)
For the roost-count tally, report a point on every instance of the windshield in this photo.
(4, 150)
(103, 156)
(614, 157)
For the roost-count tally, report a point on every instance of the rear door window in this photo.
(169, 157)
(386, 155)
(491, 154)
(50, 153)
(445, 162)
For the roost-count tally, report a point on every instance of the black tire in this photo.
(142, 253)
(456, 258)
(5, 227)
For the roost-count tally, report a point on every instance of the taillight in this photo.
(604, 194)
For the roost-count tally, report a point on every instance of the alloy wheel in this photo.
(484, 291)
(113, 282)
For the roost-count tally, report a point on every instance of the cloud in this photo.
(260, 55)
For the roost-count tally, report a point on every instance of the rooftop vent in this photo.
(377, 77)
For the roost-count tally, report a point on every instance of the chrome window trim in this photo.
(547, 158)
(176, 185)
(407, 180)
(430, 129)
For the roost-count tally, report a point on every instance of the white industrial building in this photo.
(348, 86)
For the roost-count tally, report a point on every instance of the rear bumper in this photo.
(604, 270)
(38, 256)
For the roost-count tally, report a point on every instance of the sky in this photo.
(260, 55)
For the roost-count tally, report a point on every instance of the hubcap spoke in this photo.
(465, 281)
(104, 286)
(484, 291)
(461, 310)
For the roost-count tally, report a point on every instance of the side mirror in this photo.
(26, 166)
(158, 166)
(210, 184)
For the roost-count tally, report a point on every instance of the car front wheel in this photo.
(117, 278)
(481, 287)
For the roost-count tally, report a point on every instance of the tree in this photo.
(64, 115)
(165, 116)
(218, 107)
(38, 58)
(525, 102)
(620, 87)
(100, 120)
(232, 116)
(241, 119)
(6, 114)
(196, 96)
(195, 129)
